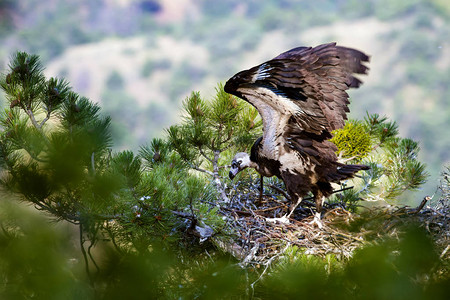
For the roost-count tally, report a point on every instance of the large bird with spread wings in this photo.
(301, 97)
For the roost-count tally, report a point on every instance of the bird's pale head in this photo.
(240, 161)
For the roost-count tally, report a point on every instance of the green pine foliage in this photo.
(52, 141)
(55, 153)
(393, 160)
(211, 132)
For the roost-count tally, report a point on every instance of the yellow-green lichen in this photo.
(352, 140)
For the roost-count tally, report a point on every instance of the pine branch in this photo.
(201, 170)
(204, 155)
(93, 162)
(47, 117)
(83, 251)
(32, 118)
(36, 125)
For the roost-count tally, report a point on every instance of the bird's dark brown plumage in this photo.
(301, 97)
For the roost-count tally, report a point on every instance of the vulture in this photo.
(301, 97)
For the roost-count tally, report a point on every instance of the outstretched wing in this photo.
(304, 87)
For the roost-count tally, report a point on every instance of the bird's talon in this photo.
(317, 221)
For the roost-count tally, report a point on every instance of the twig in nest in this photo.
(268, 263)
(271, 208)
(445, 251)
(251, 255)
(422, 204)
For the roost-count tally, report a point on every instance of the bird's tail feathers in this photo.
(344, 172)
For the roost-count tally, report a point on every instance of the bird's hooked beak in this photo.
(233, 172)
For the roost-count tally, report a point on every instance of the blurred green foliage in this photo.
(55, 153)
(151, 66)
(114, 82)
(38, 260)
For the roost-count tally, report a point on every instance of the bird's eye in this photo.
(236, 164)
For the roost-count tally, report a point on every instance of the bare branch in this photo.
(83, 251)
(47, 117)
(204, 155)
(201, 170)
(93, 162)
(33, 119)
(422, 204)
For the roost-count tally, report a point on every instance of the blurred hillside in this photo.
(140, 59)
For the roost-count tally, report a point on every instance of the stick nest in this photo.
(255, 241)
